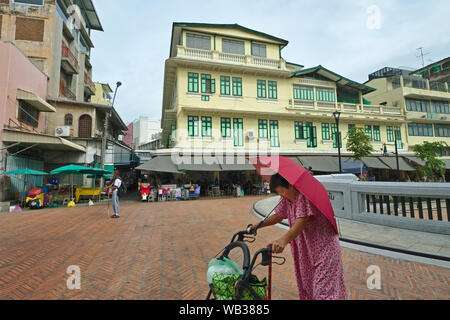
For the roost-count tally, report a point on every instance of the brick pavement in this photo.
(161, 251)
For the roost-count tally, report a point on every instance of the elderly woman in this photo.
(314, 244)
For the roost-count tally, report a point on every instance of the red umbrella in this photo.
(300, 178)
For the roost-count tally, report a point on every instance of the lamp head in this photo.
(118, 84)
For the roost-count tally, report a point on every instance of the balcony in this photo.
(65, 92)
(228, 58)
(346, 108)
(419, 88)
(68, 61)
(89, 86)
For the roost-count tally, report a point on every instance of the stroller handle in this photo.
(245, 250)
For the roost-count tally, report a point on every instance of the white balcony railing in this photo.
(346, 107)
(237, 59)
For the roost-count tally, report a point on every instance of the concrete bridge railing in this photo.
(413, 206)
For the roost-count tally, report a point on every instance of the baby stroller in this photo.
(228, 281)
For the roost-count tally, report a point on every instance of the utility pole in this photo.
(105, 133)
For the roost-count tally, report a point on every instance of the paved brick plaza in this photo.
(161, 251)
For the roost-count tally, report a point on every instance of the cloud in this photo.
(136, 40)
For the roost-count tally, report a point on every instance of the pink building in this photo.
(23, 113)
(23, 90)
(128, 137)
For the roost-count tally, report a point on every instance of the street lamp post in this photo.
(386, 153)
(337, 117)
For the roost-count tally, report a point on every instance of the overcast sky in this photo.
(345, 36)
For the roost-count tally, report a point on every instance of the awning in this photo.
(351, 166)
(392, 163)
(416, 160)
(200, 163)
(236, 164)
(320, 164)
(34, 100)
(44, 142)
(374, 163)
(160, 164)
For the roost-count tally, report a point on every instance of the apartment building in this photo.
(56, 37)
(228, 87)
(424, 101)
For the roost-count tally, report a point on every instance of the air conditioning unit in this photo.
(251, 135)
(62, 131)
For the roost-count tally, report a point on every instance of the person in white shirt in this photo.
(114, 188)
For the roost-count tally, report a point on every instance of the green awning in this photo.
(160, 164)
(392, 163)
(26, 172)
(320, 164)
(374, 163)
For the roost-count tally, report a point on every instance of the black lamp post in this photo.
(337, 117)
(386, 153)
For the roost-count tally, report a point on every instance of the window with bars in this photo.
(259, 50)
(238, 132)
(390, 134)
(263, 129)
(233, 46)
(326, 131)
(307, 130)
(193, 82)
(274, 134)
(418, 105)
(369, 132)
(298, 128)
(303, 93)
(327, 95)
(207, 127)
(273, 92)
(398, 137)
(442, 130)
(420, 130)
(312, 139)
(441, 107)
(28, 114)
(193, 127)
(237, 87)
(85, 126)
(225, 124)
(225, 86)
(68, 119)
(196, 41)
(376, 133)
(208, 84)
(262, 90)
(334, 136)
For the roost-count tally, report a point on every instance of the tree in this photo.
(429, 152)
(359, 143)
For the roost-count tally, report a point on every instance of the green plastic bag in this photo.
(224, 287)
(224, 266)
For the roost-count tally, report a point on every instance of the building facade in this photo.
(425, 102)
(146, 131)
(23, 115)
(228, 87)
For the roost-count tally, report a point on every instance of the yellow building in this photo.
(227, 87)
(102, 94)
(425, 103)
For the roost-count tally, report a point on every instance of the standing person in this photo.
(314, 244)
(114, 188)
